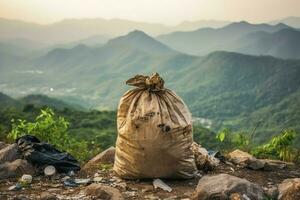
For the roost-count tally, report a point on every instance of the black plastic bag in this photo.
(41, 154)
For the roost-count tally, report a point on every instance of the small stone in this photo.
(54, 190)
(21, 197)
(151, 197)
(101, 191)
(122, 185)
(147, 188)
(171, 198)
(272, 192)
(130, 193)
(47, 196)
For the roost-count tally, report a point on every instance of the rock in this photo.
(101, 191)
(20, 197)
(203, 160)
(272, 192)
(47, 196)
(275, 164)
(222, 186)
(239, 157)
(105, 157)
(151, 197)
(289, 189)
(9, 153)
(15, 169)
(2, 145)
(255, 164)
(130, 193)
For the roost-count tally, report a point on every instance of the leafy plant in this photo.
(230, 140)
(54, 130)
(280, 146)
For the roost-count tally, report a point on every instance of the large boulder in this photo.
(15, 169)
(105, 157)
(9, 153)
(289, 189)
(224, 186)
(239, 157)
(100, 191)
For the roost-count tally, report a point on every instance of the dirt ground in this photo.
(140, 189)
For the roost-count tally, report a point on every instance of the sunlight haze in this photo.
(155, 11)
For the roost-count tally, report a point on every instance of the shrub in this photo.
(54, 130)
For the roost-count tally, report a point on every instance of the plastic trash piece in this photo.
(97, 179)
(82, 180)
(16, 187)
(49, 170)
(157, 183)
(41, 154)
(70, 183)
(26, 179)
(71, 173)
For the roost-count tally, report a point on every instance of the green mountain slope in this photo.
(283, 44)
(230, 89)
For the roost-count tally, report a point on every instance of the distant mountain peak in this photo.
(140, 40)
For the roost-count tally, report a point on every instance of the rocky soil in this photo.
(231, 179)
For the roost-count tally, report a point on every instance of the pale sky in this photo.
(157, 11)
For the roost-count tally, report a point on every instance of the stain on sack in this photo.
(165, 128)
(146, 117)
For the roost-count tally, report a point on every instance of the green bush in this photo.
(54, 130)
(279, 147)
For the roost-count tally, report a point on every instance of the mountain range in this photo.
(230, 89)
(97, 30)
(277, 40)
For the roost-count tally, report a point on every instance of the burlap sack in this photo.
(154, 132)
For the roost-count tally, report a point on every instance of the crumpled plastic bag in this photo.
(42, 154)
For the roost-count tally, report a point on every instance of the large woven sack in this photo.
(154, 132)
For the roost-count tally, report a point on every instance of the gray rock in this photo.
(222, 186)
(275, 164)
(2, 145)
(255, 164)
(9, 153)
(15, 169)
(272, 192)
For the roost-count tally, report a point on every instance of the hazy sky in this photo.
(162, 11)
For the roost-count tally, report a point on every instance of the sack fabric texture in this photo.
(154, 132)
